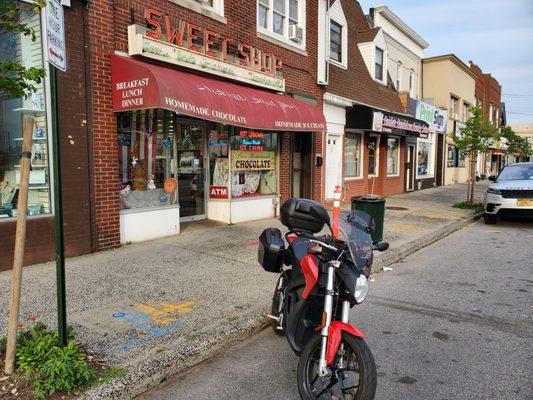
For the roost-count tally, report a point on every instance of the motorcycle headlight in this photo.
(361, 289)
(493, 191)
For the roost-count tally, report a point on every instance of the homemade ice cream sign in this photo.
(200, 48)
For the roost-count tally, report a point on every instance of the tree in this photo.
(476, 137)
(515, 145)
(15, 79)
(18, 81)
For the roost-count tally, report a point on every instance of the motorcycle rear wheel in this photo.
(278, 306)
(355, 380)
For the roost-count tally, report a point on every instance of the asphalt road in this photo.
(452, 321)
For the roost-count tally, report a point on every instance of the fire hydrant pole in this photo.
(336, 210)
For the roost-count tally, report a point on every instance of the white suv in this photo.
(511, 193)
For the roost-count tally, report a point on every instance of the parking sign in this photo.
(55, 35)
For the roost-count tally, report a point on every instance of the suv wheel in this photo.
(490, 219)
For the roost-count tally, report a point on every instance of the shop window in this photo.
(283, 20)
(373, 153)
(424, 160)
(378, 72)
(453, 157)
(352, 155)
(19, 48)
(393, 155)
(148, 152)
(253, 163)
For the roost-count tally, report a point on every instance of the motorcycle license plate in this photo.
(524, 203)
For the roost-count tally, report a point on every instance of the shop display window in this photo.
(352, 155)
(147, 158)
(393, 154)
(424, 156)
(19, 48)
(253, 163)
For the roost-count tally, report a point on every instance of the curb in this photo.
(157, 369)
(395, 255)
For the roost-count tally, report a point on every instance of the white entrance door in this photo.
(333, 164)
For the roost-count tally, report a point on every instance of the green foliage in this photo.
(515, 144)
(48, 365)
(112, 373)
(15, 79)
(477, 136)
(478, 207)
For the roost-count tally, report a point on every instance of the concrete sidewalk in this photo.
(159, 307)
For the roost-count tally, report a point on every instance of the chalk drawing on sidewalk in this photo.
(154, 320)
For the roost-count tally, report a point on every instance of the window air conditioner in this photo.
(296, 34)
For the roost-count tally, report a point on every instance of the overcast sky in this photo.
(497, 35)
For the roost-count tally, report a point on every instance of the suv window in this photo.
(516, 172)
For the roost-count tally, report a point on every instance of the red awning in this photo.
(138, 85)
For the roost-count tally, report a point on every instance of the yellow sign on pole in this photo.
(253, 161)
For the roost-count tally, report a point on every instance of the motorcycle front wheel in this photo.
(353, 376)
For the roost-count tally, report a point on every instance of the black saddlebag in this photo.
(271, 250)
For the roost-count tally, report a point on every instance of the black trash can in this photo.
(375, 207)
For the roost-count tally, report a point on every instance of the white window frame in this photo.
(376, 169)
(383, 71)
(336, 14)
(399, 75)
(216, 11)
(284, 38)
(397, 173)
(431, 156)
(361, 155)
(465, 111)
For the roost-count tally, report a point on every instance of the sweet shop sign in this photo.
(199, 48)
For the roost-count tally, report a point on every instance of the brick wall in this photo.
(75, 163)
(382, 184)
(487, 89)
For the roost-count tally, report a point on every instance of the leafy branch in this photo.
(15, 79)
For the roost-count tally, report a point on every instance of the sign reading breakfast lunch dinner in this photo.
(202, 49)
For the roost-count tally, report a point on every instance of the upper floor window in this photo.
(211, 8)
(398, 76)
(335, 42)
(466, 113)
(282, 19)
(379, 64)
(454, 107)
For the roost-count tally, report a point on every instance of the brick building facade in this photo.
(108, 29)
(352, 97)
(488, 92)
(76, 163)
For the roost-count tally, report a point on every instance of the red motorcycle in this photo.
(324, 278)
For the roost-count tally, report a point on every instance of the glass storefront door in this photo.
(190, 143)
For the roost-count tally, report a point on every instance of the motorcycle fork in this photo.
(328, 310)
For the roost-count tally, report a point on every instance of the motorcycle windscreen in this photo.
(352, 229)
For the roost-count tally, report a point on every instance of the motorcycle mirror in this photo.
(381, 246)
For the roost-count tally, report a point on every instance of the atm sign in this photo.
(218, 192)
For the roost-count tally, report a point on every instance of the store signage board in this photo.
(55, 35)
(435, 117)
(253, 161)
(140, 44)
(218, 192)
(382, 122)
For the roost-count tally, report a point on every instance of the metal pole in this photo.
(58, 209)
